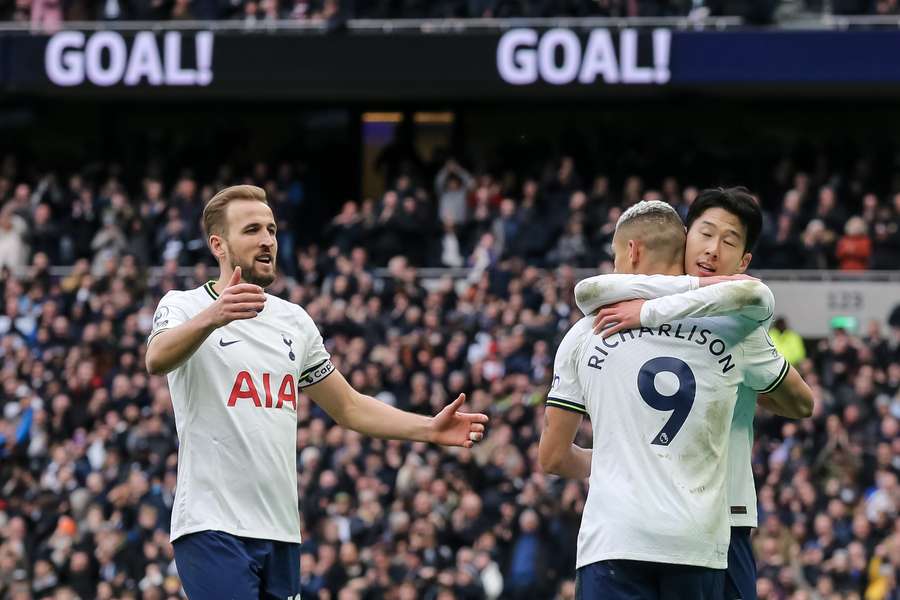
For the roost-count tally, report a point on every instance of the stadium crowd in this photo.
(88, 444)
(49, 14)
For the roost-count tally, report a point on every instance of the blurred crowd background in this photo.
(48, 14)
(442, 215)
(88, 444)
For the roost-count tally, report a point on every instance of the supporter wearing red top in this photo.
(855, 247)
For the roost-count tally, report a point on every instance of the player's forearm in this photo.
(572, 462)
(171, 348)
(582, 460)
(777, 408)
(602, 290)
(372, 417)
(793, 399)
(750, 299)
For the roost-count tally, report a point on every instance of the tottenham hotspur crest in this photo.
(289, 343)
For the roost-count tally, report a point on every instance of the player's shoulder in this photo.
(584, 325)
(734, 328)
(578, 332)
(186, 297)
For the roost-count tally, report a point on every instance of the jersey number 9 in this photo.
(679, 403)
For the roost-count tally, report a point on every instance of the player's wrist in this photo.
(647, 315)
(207, 319)
(429, 431)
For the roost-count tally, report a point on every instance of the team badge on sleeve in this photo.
(161, 318)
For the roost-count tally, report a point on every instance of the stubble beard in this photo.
(249, 273)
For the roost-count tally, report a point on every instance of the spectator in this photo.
(527, 558)
(572, 247)
(451, 254)
(507, 228)
(45, 233)
(108, 243)
(818, 242)
(829, 211)
(347, 227)
(784, 250)
(46, 16)
(855, 248)
(788, 342)
(452, 185)
(13, 233)
(886, 237)
(331, 10)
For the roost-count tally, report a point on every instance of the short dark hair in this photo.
(736, 200)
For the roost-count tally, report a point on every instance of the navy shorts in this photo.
(740, 583)
(214, 565)
(636, 580)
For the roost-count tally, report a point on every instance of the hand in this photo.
(705, 281)
(238, 301)
(452, 428)
(617, 317)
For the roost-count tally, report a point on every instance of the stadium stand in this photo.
(323, 10)
(50, 13)
(87, 438)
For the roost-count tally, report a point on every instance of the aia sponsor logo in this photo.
(245, 390)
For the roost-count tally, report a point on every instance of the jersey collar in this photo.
(208, 286)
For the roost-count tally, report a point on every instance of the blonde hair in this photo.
(214, 221)
(855, 226)
(658, 226)
(649, 209)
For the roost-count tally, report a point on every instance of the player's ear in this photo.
(745, 262)
(217, 247)
(634, 252)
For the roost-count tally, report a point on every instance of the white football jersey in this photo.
(599, 291)
(742, 504)
(235, 403)
(661, 401)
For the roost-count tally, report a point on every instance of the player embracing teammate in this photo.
(670, 381)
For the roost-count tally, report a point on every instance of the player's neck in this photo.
(661, 269)
(222, 282)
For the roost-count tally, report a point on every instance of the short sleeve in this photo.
(764, 367)
(171, 312)
(317, 364)
(565, 391)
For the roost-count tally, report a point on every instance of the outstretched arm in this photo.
(372, 417)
